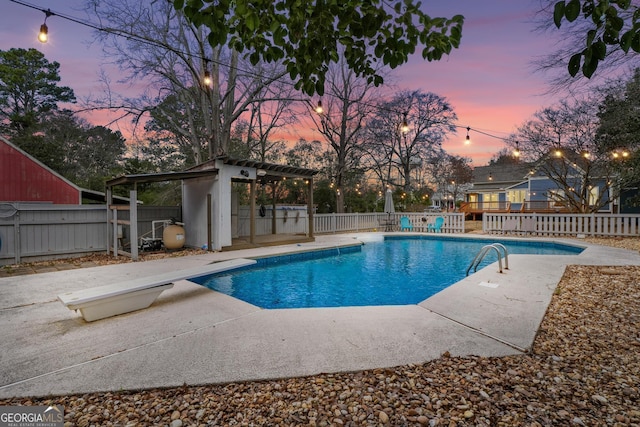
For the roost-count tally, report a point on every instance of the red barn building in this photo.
(25, 179)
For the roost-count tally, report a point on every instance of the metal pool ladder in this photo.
(497, 247)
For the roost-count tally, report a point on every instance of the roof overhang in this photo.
(160, 177)
(266, 172)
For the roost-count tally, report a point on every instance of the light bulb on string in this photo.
(207, 78)
(43, 35)
(319, 109)
(404, 128)
(467, 140)
(516, 152)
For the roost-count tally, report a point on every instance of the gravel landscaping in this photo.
(583, 370)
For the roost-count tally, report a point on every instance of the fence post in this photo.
(17, 246)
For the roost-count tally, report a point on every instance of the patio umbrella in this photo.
(388, 203)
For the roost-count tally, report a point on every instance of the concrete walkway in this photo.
(192, 335)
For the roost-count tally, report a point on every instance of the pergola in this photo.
(206, 198)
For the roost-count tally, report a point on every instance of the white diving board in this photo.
(123, 297)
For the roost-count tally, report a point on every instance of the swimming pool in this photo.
(398, 270)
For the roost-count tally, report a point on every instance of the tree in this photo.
(618, 130)
(266, 118)
(605, 26)
(619, 125)
(28, 88)
(396, 151)
(84, 154)
(504, 157)
(450, 174)
(560, 142)
(172, 61)
(341, 124)
(309, 36)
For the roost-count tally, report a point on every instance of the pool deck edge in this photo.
(192, 335)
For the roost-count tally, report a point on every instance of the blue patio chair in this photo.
(436, 226)
(405, 224)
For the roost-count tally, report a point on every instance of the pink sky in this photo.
(489, 80)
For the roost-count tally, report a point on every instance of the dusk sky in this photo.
(489, 80)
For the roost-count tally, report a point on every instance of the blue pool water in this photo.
(396, 271)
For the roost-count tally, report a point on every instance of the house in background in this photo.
(493, 186)
(524, 187)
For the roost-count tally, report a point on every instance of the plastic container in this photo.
(173, 237)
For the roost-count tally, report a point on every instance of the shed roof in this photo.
(159, 177)
(273, 172)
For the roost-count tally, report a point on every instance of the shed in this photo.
(26, 179)
(207, 197)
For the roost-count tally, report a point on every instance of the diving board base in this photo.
(119, 304)
(119, 298)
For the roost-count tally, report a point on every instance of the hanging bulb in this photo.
(207, 78)
(558, 153)
(490, 177)
(319, 109)
(43, 35)
(404, 128)
(467, 140)
(516, 152)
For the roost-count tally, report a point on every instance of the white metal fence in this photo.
(610, 225)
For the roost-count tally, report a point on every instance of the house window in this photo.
(516, 196)
(556, 196)
(594, 196)
(490, 197)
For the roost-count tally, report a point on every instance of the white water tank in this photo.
(173, 236)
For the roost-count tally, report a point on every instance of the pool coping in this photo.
(193, 336)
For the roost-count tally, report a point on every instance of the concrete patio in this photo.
(192, 335)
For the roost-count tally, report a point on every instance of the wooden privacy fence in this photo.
(609, 225)
(33, 232)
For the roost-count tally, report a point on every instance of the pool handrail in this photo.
(483, 252)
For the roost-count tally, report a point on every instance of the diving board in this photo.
(131, 295)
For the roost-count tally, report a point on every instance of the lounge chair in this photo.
(510, 226)
(436, 226)
(405, 224)
(529, 225)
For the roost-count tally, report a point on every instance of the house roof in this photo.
(500, 176)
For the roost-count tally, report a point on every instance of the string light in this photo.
(405, 126)
(207, 78)
(516, 152)
(43, 35)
